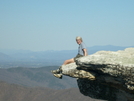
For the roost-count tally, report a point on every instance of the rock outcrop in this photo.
(105, 75)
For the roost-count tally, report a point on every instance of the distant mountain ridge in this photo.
(36, 77)
(4, 57)
(48, 58)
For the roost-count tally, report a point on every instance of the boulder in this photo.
(105, 75)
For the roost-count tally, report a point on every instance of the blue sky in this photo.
(40, 25)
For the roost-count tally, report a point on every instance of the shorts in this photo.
(77, 56)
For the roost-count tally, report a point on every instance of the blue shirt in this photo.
(80, 48)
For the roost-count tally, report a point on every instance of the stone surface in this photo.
(76, 72)
(105, 74)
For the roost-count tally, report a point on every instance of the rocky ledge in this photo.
(105, 75)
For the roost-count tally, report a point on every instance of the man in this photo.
(82, 51)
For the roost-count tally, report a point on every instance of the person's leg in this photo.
(57, 73)
(65, 62)
(68, 61)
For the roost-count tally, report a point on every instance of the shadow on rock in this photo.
(97, 90)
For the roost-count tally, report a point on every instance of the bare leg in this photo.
(57, 73)
(68, 61)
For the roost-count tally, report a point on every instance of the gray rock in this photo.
(105, 75)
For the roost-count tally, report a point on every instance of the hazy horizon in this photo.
(6, 49)
(53, 25)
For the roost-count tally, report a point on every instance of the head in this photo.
(79, 40)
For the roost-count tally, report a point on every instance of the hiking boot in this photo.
(58, 76)
(56, 71)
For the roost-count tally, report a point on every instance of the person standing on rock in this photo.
(82, 51)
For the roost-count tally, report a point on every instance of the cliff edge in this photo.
(105, 75)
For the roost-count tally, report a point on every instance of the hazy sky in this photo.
(40, 25)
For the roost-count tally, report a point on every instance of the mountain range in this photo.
(37, 84)
(26, 76)
(13, 92)
(36, 77)
(25, 58)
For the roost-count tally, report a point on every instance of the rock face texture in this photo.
(105, 75)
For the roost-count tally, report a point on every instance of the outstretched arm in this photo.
(85, 52)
